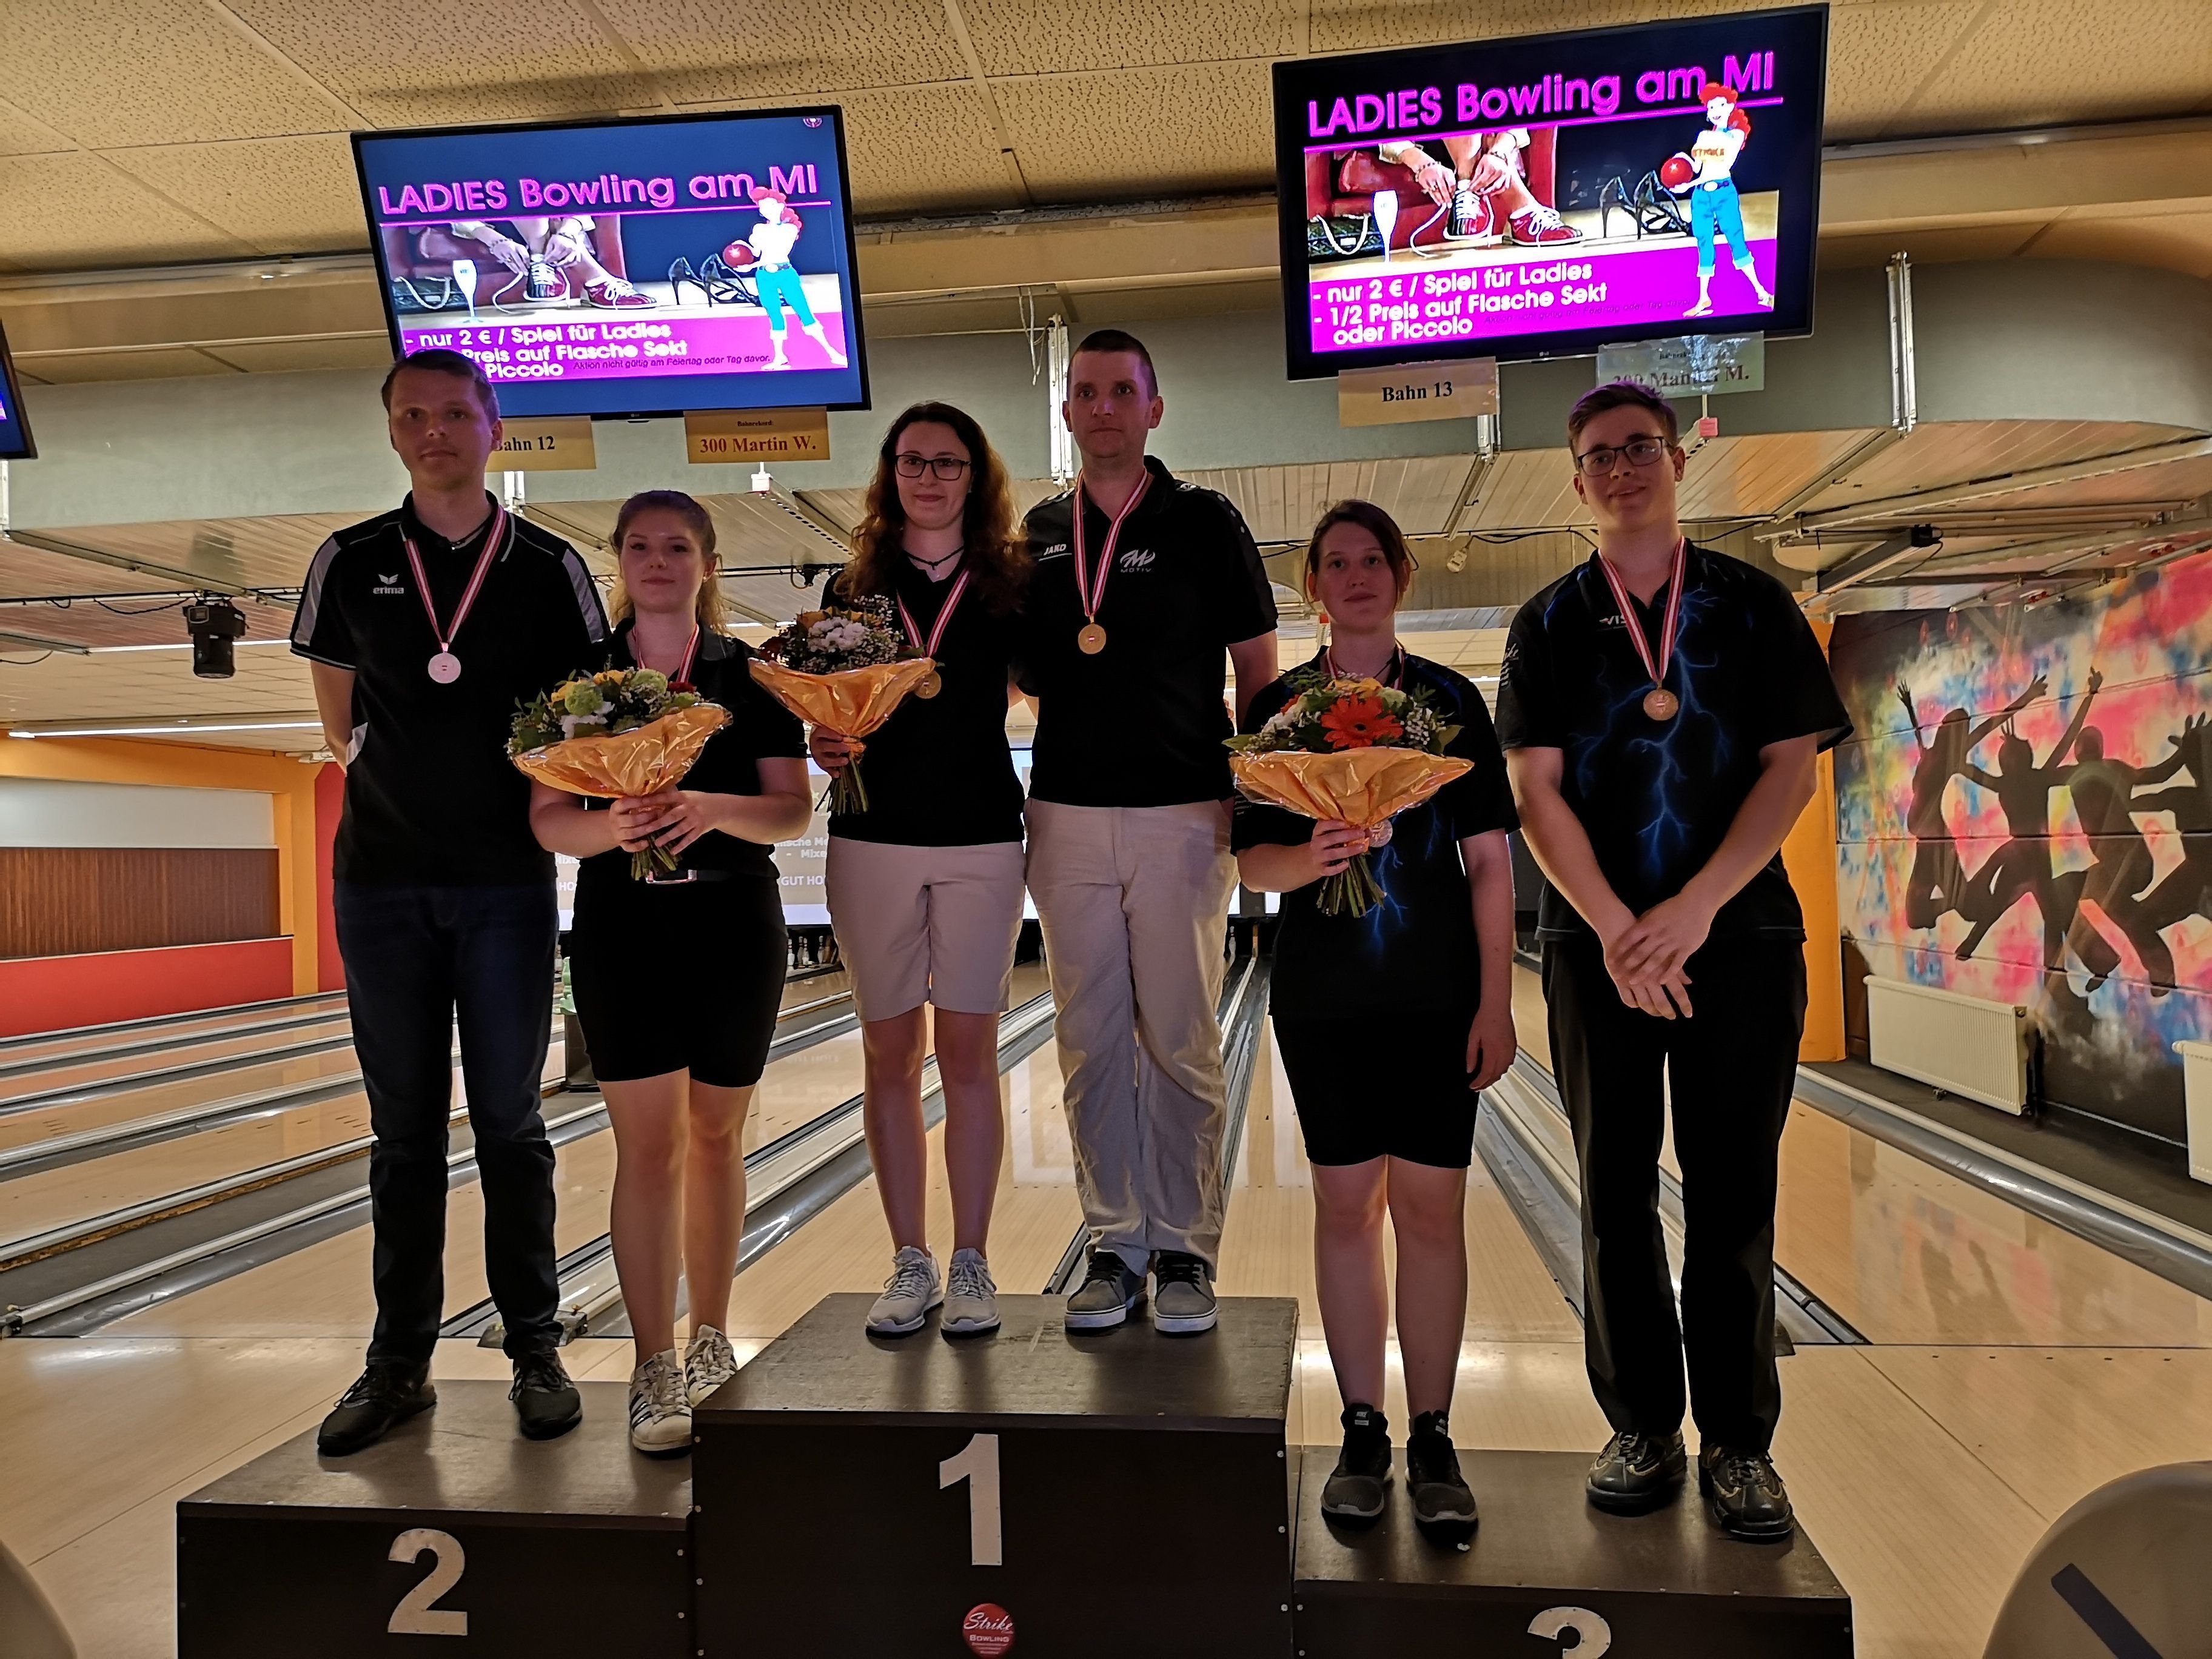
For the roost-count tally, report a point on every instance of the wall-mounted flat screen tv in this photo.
(626, 267)
(15, 443)
(1545, 196)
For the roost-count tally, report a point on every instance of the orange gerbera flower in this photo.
(1359, 723)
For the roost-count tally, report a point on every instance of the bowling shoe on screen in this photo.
(915, 1287)
(1440, 1494)
(971, 1299)
(660, 1416)
(1110, 1288)
(1636, 1472)
(388, 1392)
(1541, 226)
(707, 1364)
(1359, 1483)
(1744, 1494)
(1182, 1294)
(544, 1399)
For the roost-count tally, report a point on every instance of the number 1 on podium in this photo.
(977, 1463)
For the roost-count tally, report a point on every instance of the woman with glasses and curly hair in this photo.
(925, 886)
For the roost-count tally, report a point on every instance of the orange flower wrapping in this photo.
(852, 702)
(1362, 787)
(655, 756)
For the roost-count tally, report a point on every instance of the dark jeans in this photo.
(414, 958)
(1733, 1067)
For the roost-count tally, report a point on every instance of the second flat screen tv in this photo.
(1545, 196)
(624, 268)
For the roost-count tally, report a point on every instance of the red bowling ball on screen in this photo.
(1677, 171)
(739, 256)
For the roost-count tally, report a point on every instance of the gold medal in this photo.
(1660, 703)
(931, 684)
(1091, 639)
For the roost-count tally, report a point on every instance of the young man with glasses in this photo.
(423, 627)
(1142, 583)
(1662, 707)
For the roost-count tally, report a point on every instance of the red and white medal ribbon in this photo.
(1659, 702)
(934, 682)
(1090, 589)
(446, 667)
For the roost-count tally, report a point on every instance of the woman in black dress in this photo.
(678, 977)
(1389, 1023)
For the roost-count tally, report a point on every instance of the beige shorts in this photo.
(926, 923)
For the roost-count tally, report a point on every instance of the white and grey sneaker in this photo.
(913, 1288)
(660, 1416)
(707, 1364)
(971, 1300)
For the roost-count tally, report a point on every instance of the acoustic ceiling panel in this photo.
(74, 209)
(278, 195)
(924, 149)
(702, 53)
(1880, 56)
(2025, 62)
(1177, 131)
(1116, 35)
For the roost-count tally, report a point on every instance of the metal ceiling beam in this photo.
(1913, 545)
(193, 580)
(1923, 502)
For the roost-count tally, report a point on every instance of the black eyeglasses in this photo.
(1641, 451)
(947, 467)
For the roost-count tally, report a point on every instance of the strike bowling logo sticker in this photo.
(989, 1628)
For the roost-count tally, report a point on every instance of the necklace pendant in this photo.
(1091, 640)
(1661, 704)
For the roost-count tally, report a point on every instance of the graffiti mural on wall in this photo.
(2025, 813)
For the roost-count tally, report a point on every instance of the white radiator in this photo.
(2197, 1092)
(1973, 1047)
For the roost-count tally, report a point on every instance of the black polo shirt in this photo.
(1416, 948)
(1142, 723)
(431, 799)
(1657, 797)
(939, 772)
(729, 765)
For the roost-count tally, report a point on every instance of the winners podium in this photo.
(1035, 1492)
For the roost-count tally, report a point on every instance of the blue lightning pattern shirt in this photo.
(1656, 797)
(1415, 950)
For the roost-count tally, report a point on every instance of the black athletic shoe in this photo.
(1357, 1486)
(544, 1399)
(385, 1395)
(1744, 1495)
(1182, 1295)
(1440, 1495)
(1638, 1473)
(1110, 1288)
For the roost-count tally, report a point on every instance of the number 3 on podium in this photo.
(977, 1463)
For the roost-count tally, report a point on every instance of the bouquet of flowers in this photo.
(619, 734)
(1357, 751)
(843, 668)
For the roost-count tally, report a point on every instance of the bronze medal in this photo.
(1091, 639)
(931, 685)
(1661, 704)
(933, 682)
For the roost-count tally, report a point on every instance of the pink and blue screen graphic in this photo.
(1545, 196)
(15, 436)
(626, 267)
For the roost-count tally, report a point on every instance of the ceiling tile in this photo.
(437, 62)
(279, 194)
(1142, 132)
(930, 148)
(1363, 25)
(74, 210)
(1011, 38)
(1880, 52)
(2032, 62)
(699, 52)
(128, 72)
(20, 135)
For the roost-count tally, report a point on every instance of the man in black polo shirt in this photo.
(1662, 707)
(424, 626)
(1142, 583)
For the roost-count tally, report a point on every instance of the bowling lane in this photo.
(62, 1047)
(70, 1116)
(77, 1074)
(1908, 1253)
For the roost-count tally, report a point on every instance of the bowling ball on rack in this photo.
(739, 256)
(1677, 172)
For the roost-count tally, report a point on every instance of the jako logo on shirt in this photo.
(390, 583)
(988, 1629)
(1139, 558)
(1057, 550)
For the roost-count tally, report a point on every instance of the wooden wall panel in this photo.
(64, 901)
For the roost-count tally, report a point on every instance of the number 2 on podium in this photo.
(977, 1463)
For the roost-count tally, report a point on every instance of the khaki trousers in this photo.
(1133, 902)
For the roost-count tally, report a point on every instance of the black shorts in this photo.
(680, 977)
(1369, 1088)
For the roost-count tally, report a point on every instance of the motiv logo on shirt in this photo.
(391, 583)
(1137, 558)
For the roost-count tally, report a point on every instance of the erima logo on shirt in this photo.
(388, 581)
(1139, 558)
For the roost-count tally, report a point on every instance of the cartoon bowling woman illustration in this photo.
(767, 251)
(1706, 176)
